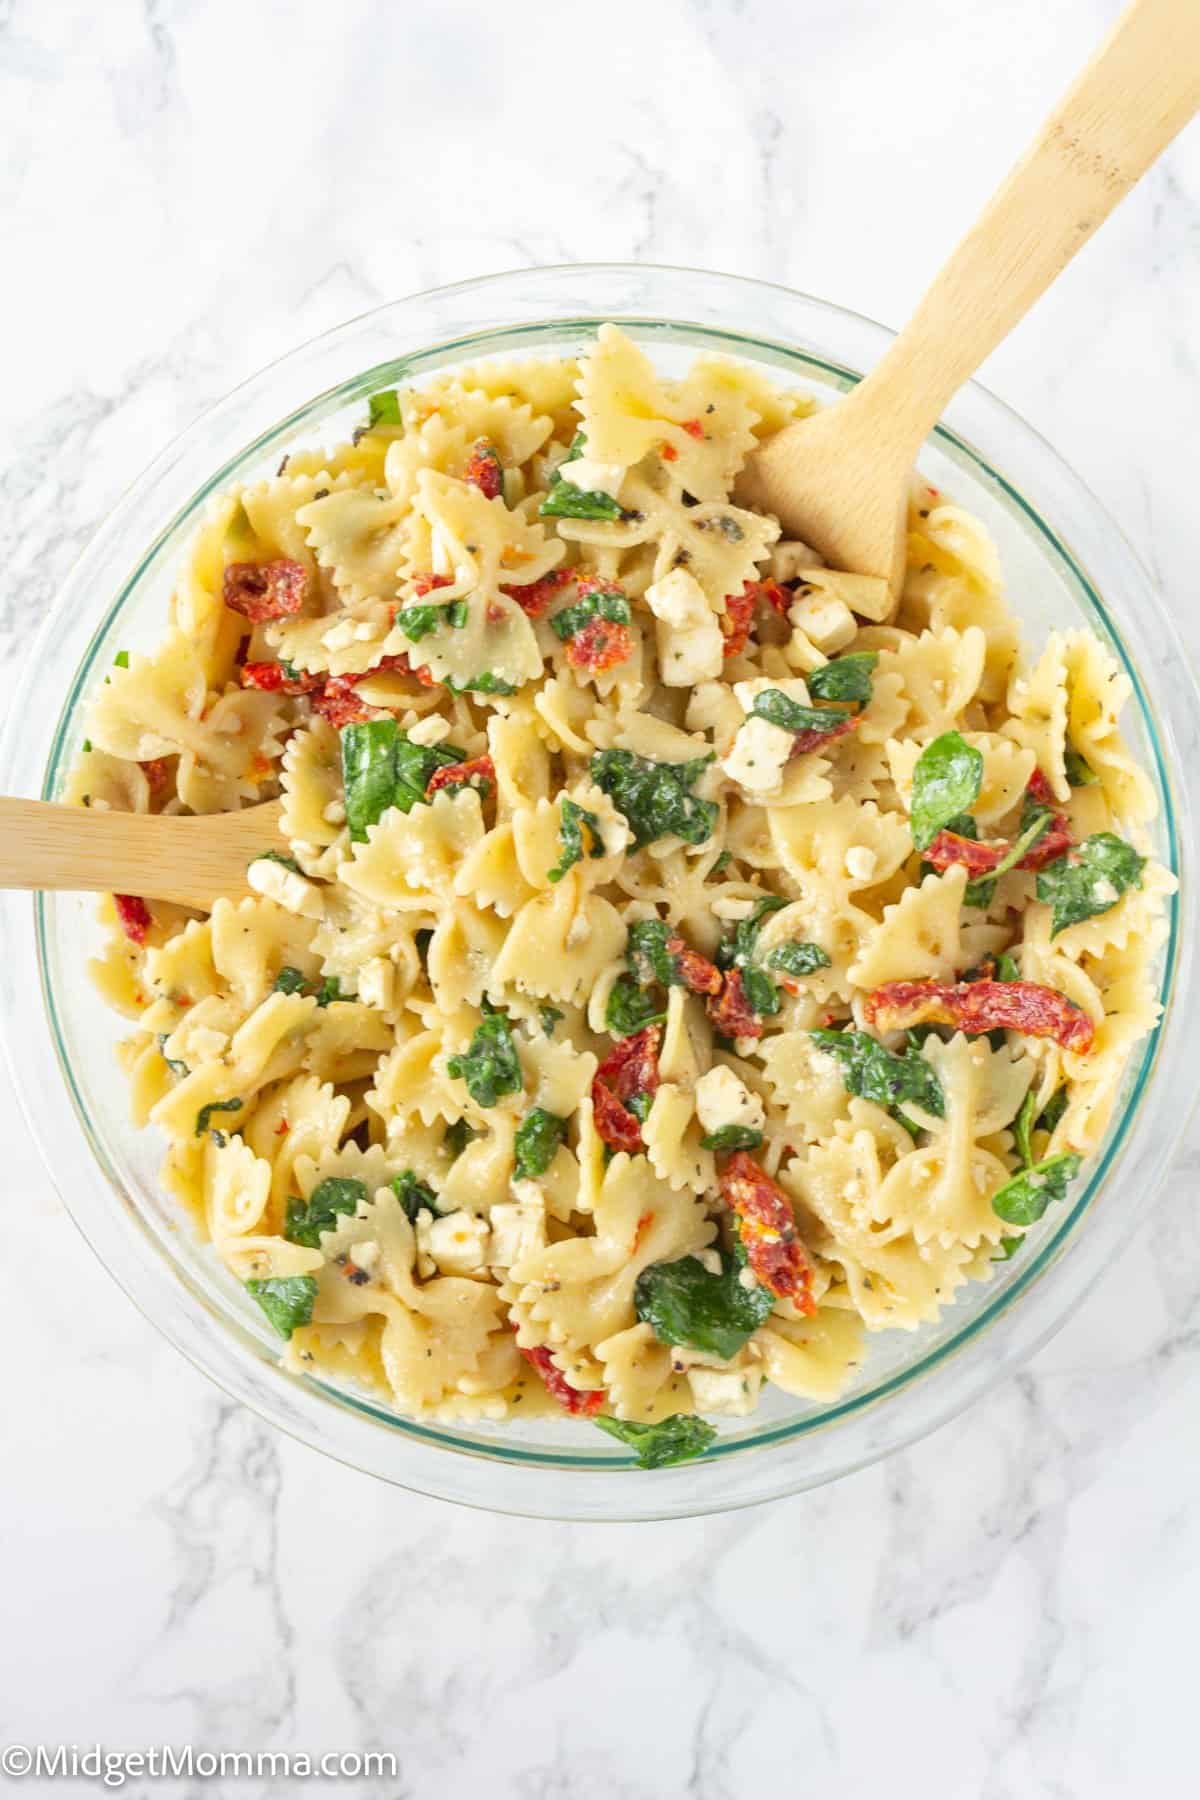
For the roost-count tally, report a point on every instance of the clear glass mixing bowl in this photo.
(1065, 564)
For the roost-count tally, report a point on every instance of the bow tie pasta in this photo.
(686, 959)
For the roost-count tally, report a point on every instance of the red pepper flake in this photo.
(282, 1129)
(270, 590)
(155, 772)
(643, 1226)
(572, 1399)
(535, 597)
(484, 470)
(134, 917)
(693, 427)
(668, 452)
(768, 1231)
(600, 645)
(697, 974)
(730, 1011)
(425, 584)
(1023, 1006)
(479, 772)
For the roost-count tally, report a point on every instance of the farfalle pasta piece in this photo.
(919, 938)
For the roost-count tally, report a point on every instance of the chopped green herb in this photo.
(659, 1446)
(1006, 968)
(289, 980)
(276, 856)
(576, 821)
(549, 1017)
(457, 1136)
(685, 1304)
(656, 798)
(873, 1073)
(538, 1137)
(1090, 879)
(611, 605)
(329, 991)
(729, 528)
(121, 659)
(418, 621)
(776, 708)
(173, 1062)
(87, 745)
(630, 1008)
(798, 959)
(486, 683)
(1024, 1199)
(723, 861)
(845, 678)
(330, 1200)
(1007, 1248)
(1079, 773)
(384, 408)
(733, 1137)
(381, 768)
(490, 1067)
(286, 1300)
(946, 782)
(414, 1195)
(204, 1116)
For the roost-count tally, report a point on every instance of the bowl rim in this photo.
(1180, 850)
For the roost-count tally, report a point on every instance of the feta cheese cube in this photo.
(860, 862)
(678, 599)
(791, 557)
(432, 729)
(339, 636)
(334, 813)
(457, 1242)
(289, 890)
(518, 1229)
(733, 1392)
(690, 646)
(377, 982)
(722, 1098)
(759, 756)
(825, 622)
(790, 686)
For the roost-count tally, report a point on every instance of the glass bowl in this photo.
(1065, 564)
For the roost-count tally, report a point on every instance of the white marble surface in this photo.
(189, 188)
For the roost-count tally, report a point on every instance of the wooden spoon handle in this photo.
(1141, 87)
(187, 860)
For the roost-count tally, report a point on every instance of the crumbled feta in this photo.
(593, 477)
(339, 636)
(690, 646)
(790, 558)
(825, 622)
(334, 813)
(860, 862)
(366, 1255)
(733, 1392)
(367, 631)
(527, 1192)
(1105, 893)
(457, 1242)
(202, 1044)
(517, 1231)
(747, 1279)
(722, 1098)
(759, 756)
(732, 907)
(710, 1260)
(432, 729)
(377, 983)
(286, 888)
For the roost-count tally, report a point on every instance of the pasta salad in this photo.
(681, 964)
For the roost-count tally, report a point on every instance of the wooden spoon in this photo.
(192, 861)
(839, 480)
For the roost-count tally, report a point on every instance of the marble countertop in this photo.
(1006, 1610)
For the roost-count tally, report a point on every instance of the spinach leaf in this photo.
(611, 605)
(538, 1137)
(329, 991)
(384, 408)
(204, 1116)
(670, 1441)
(1024, 1199)
(456, 1137)
(798, 959)
(381, 767)
(287, 1300)
(733, 1137)
(549, 1017)
(1006, 968)
(1079, 773)
(330, 1199)
(736, 951)
(566, 501)
(576, 820)
(486, 683)
(413, 1194)
(1090, 879)
(647, 954)
(490, 1067)
(1055, 1107)
(874, 1073)
(684, 1304)
(288, 862)
(1007, 1248)
(630, 1007)
(1022, 1129)
(845, 678)
(777, 709)
(418, 621)
(174, 1063)
(1035, 822)
(762, 996)
(946, 781)
(655, 798)
(289, 980)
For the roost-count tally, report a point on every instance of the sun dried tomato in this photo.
(768, 1231)
(134, 917)
(730, 1011)
(534, 598)
(1023, 1006)
(574, 1400)
(340, 705)
(270, 590)
(697, 974)
(949, 850)
(270, 677)
(425, 584)
(631, 1066)
(777, 597)
(1057, 838)
(464, 774)
(816, 740)
(484, 469)
(599, 645)
(738, 617)
(615, 1124)
(155, 772)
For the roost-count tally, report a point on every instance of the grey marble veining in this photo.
(1006, 1611)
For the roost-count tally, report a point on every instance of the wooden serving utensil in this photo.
(192, 861)
(839, 479)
